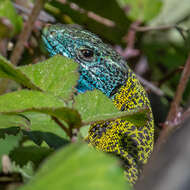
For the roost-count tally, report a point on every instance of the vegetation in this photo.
(43, 122)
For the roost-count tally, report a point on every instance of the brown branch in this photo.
(180, 89)
(151, 86)
(151, 28)
(157, 28)
(7, 26)
(24, 36)
(129, 51)
(169, 75)
(43, 16)
(174, 113)
(129, 38)
(3, 47)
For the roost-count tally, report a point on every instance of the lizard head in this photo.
(100, 66)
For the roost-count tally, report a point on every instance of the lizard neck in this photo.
(131, 95)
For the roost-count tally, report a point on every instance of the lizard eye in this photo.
(52, 33)
(86, 54)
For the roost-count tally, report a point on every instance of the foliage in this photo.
(144, 10)
(8, 143)
(51, 95)
(41, 111)
(84, 167)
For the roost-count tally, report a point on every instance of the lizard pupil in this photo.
(52, 32)
(88, 54)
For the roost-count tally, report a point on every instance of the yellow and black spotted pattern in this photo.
(131, 143)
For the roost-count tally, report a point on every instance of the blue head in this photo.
(100, 66)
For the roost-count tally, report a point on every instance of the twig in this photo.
(7, 25)
(43, 16)
(150, 28)
(163, 28)
(181, 30)
(151, 86)
(174, 113)
(3, 47)
(132, 34)
(180, 89)
(169, 75)
(23, 38)
(69, 133)
(129, 51)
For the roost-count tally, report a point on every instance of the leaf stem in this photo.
(25, 34)
(67, 131)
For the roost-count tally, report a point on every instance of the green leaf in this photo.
(22, 100)
(34, 154)
(138, 117)
(10, 120)
(142, 10)
(37, 126)
(98, 106)
(5, 26)
(78, 166)
(83, 132)
(95, 106)
(172, 12)
(52, 140)
(32, 121)
(9, 131)
(7, 11)
(43, 123)
(8, 70)
(8, 144)
(28, 100)
(57, 75)
(27, 170)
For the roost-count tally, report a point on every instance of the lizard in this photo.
(102, 68)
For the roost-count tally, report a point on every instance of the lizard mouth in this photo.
(45, 43)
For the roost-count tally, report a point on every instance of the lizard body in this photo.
(103, 68)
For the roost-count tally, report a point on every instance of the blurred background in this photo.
(152, 35)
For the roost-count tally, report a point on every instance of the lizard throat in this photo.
(105, 83)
